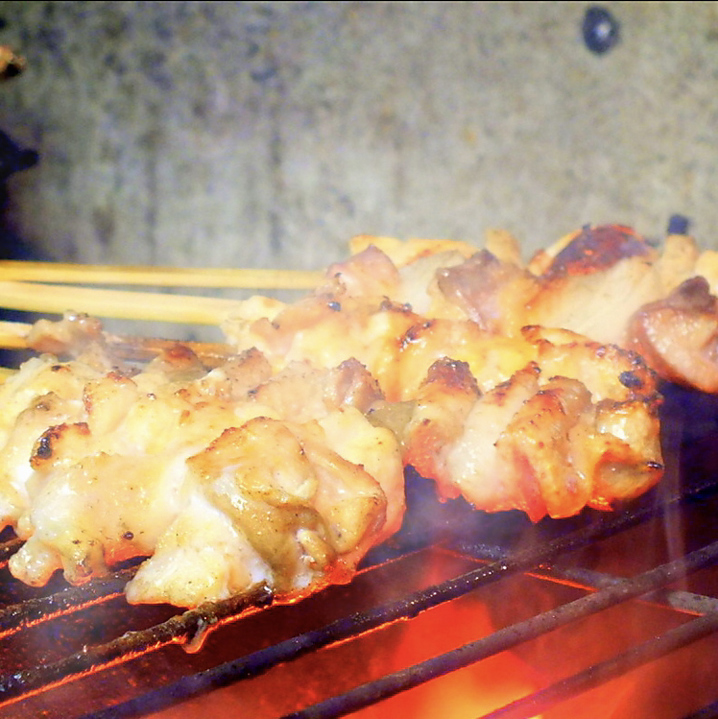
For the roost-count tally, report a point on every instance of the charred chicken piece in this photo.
(578, 426)
(491, 358)
(594, 282)
(678, 335)
(224, 479)
(349, 317)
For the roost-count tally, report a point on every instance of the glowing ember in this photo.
(470, 692)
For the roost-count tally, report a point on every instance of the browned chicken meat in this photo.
(506, 413)
(226, 479)
(604, 282)
(577, 426)
(678, 335)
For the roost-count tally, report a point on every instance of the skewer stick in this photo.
(6, 372)
(13, 335)
(222, 277)
(114, 303)
(143, 349)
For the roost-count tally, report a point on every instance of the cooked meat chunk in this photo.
(224, 483)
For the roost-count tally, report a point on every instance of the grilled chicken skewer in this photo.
(228, 479)
(506, 415)
(593, 282)
(607, 283)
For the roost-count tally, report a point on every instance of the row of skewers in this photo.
(516, 385)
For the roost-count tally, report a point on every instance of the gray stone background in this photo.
(266, 134)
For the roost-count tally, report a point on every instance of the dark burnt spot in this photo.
(128, 535)
(43, 448)
(501, 388)
(56, 367)
(595, 249)
(630, 380)
(414, 333)
(452, 374)
(694, 295)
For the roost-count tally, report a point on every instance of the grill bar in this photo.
(511, 636)
(589, 580)
(592, 677)
(16, 617)
(681, 601)
(192, 626)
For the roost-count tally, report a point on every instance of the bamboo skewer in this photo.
(222, 277)
(22, 287)
(13, 335)
(114, 303)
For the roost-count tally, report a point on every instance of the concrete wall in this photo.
(267, 134)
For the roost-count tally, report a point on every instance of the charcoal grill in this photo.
(83, 652)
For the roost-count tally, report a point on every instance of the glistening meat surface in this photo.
(225, 485)
(498, 409)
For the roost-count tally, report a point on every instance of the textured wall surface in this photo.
(267, 134)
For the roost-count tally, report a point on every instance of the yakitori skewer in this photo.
(55, 299)
(241, 278)
(14, 335)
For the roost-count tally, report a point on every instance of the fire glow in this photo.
(472, 691)
(484, 688)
